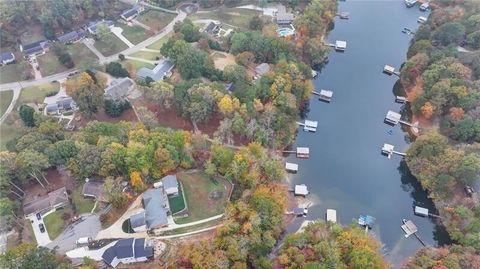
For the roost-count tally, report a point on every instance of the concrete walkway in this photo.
(189, 233)
(118, 32)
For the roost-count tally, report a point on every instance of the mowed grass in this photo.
(54, 223)
(136, 64)
(80, 53)
(177, 203)
(49, 64)
(238, 17)
(205, 197)
(155, 19)
(7, 133)
(36, 94)
(82, 204)
(147, 55)
(111, 45)
(13, 72)
(5, 100)
(159, 43)
(135, 33)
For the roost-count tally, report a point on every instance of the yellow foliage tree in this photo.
(136, 181)
(427, 110)
(83, 80)
(456, 113)
(226, 105)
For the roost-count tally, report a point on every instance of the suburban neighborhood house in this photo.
(72, 37)
(154, 215)
(282, 16)
(50, 202)
(128, 251)
(36, 48)
(119, 89)
(94, 189)
(161, 71)
(132, 13)
(93, 26)
(6, 58)
(212, 28)
(57, 104)
(170, 185)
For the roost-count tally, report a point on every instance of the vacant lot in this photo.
(55, 223)
(238, 17)
(147, 55)
(156, 20)
(111, 45)
(80, 53)
(49, 64)
(205, 197)
(135, 33)
(159, 43)
(5, 100)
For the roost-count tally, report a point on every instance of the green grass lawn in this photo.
(136, 64)
(111, 45)
(5, 100)
(82, 204)
(177, 203)
(159, 43)
(205, 197)
(155, 19)
(13, 72)
(147, 55)
(135, 34)
(80, 53)
(7, 133)
(36, 94)
(238, 17)
(49, 64)
(54, 223)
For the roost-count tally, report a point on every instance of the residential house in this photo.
(170, 185)
(72, 37)
(131, 13)
(119, 89)
(212, 28)
(262, 69)
(58, 103)
(128, 251)
(35, 48)
(156, 210)
(93, 26)
(94, 189)
(282, 16)
(161, 71)
(6, 58)
(53, 200)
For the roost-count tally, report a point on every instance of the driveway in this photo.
(42, 238)
(95, 254)
(88, 226)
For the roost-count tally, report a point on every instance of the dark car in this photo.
(39, 216)
(42, 228)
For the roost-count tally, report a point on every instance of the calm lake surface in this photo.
(346, 170)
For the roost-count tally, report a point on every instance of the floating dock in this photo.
(424, 212)
(301, 190)
(393, 117)
(331, 215)
(340, 45)
(314, 73)
(303, 152)
(421, 19)
(343, 15)
(325, 95)
(400, 99)
(390, 70)
(291, 167)
(309, 126)
(387, 150)
(409, 227)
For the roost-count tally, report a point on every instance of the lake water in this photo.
(346, 170)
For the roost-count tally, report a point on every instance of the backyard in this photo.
(177, 203)
(135, 33)
(156, 20)
(49, 64)
(136, 64)
(55, 223)
(205, 197)
(111, 45)
(82, 204)
(238, 17)
(5, 100)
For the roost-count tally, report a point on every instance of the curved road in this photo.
(18, 86)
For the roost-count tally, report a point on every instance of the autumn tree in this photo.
(137, 182)
(87, 94)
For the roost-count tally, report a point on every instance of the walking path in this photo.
(118, 32)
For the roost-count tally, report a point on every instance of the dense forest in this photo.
(441, 80)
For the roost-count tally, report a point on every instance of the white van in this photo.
(84, 240)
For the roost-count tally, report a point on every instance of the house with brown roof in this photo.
(53, 200)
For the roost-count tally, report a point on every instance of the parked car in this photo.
(39, 216)
(42, 228)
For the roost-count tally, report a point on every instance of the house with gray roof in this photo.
(131, 13)
(94, 189)
(58, 104)
(72, 37)
(170, 185)
(137, 222)
(53, 200)
(262, 69)
(155, 213)
(6, 58)
(161, 71)
(128, 251)
(282, 16)
(93, 26)
(35, 48)
(119, 89)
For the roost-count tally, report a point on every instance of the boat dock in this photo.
(301, 190)
(410, 228)
(331, 215)
(394, 118)
(400, 99)
(343, 15)
(424, 212)
(291, 167)
(390, 70)
(387, 150)
(301, 152)
(339, 45)
(309, 125)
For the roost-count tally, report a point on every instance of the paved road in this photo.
(88, 227)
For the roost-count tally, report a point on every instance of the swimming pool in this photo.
(282, 32)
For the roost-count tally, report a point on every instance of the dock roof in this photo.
(303, 150)
(326, 93)
(301, 189)
(262, 69)
(291, 166)
(393, 116)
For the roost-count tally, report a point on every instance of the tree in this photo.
(147, 117)
(161, 92)
(188, 60)
(137, 182)
(7, 208)
(63, 56)
(103, 32)
(473, 40)
(26, 256)
(87, 162)
(26, 114)
(245, 58)
(115, 69)
(30, 163)
(121, 57)
(428, 110)
(116, 108)
(61, 152)
(86, 92)
(188, 29)
(256, 23)
(114, 193)
(448, 33)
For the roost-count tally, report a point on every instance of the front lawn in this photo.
(135, 33)
(15, 71)
(238, 17)
(80, 53)
(54, 223)
(49, 64)
(205, 197)
(82, 204)
(147, 55)
(7, 133)
(5, 100)
(155, 19)
(36, 94)
(159, 43)
(136, 64)
(111, 45)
